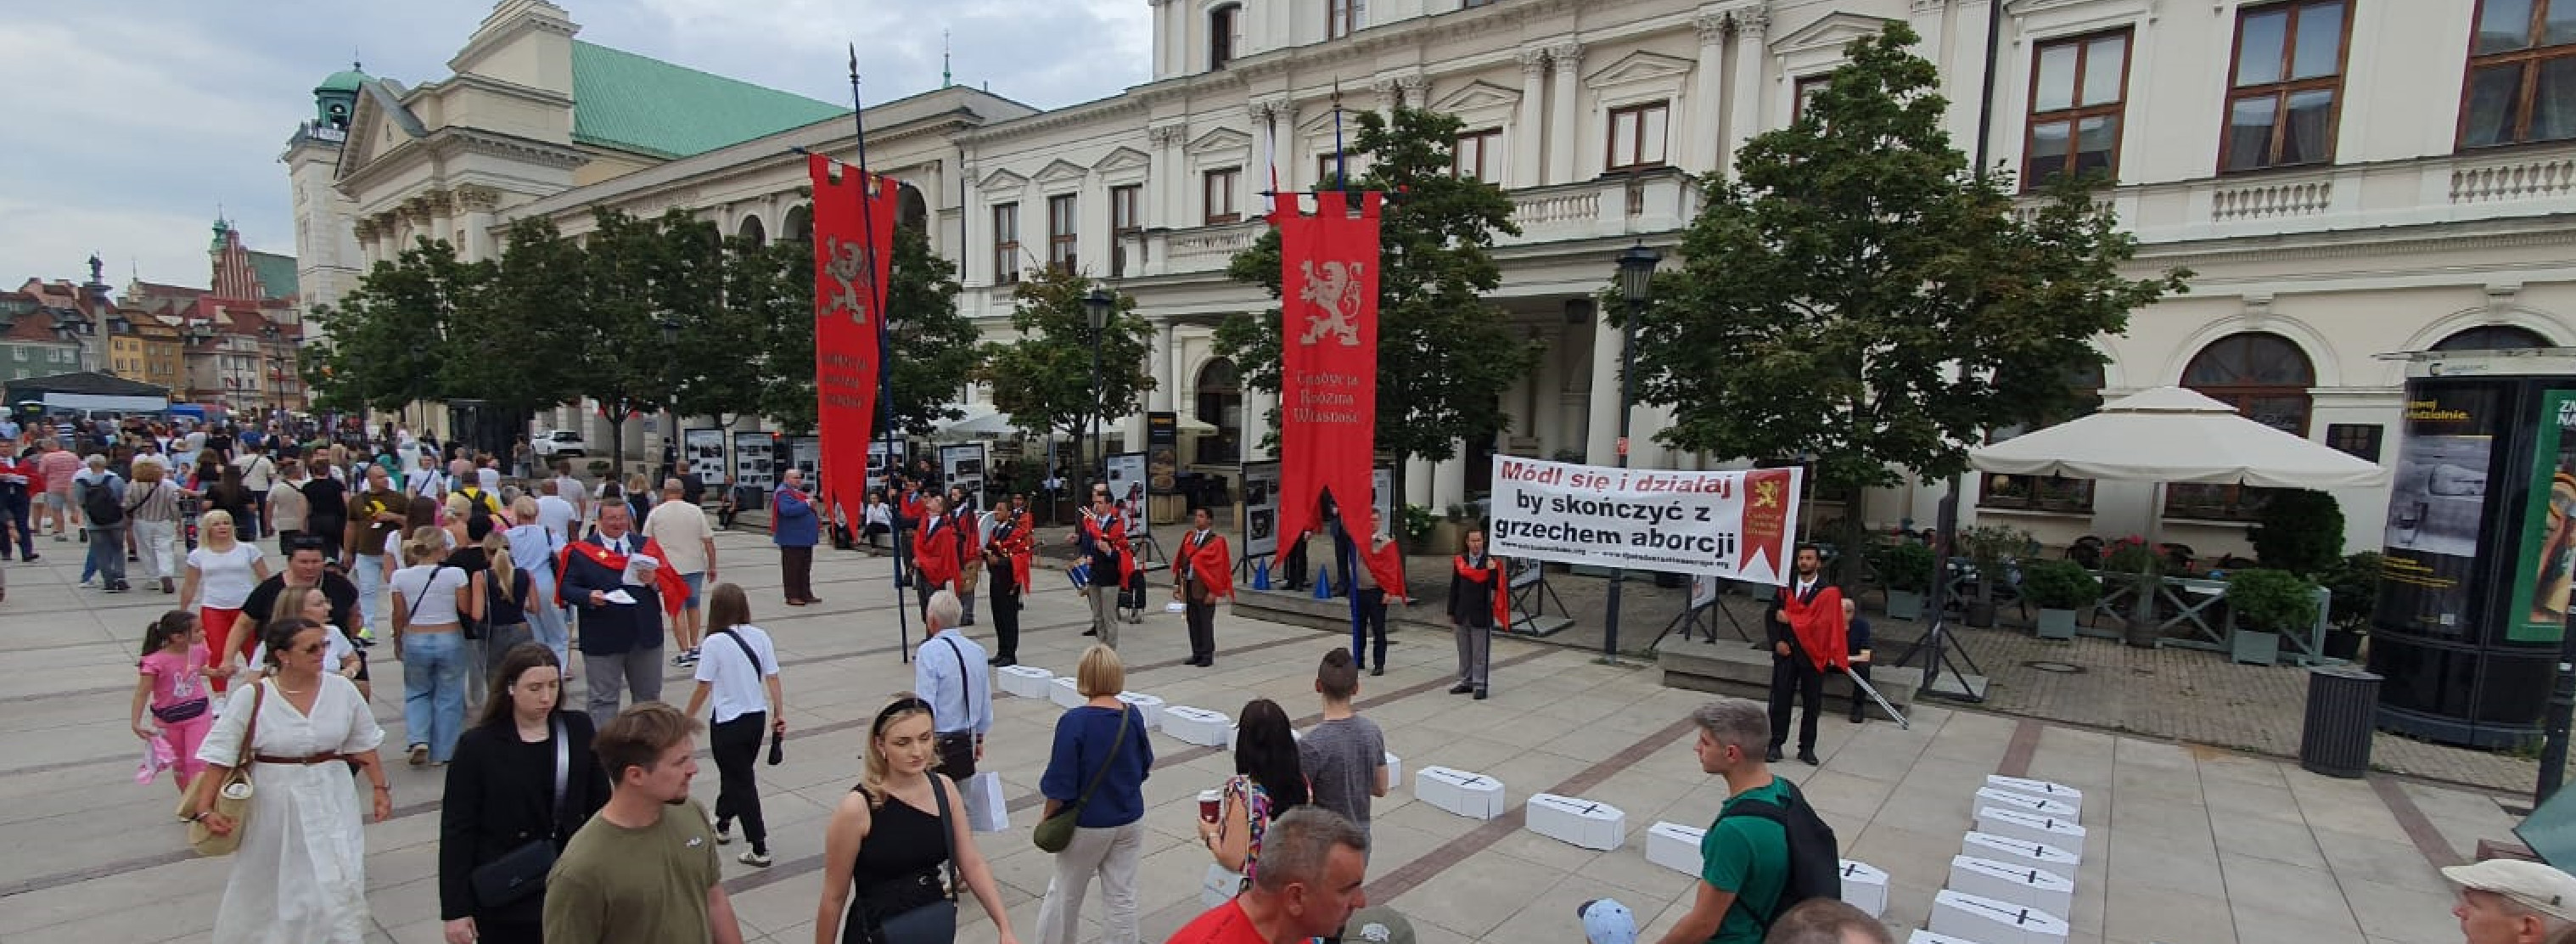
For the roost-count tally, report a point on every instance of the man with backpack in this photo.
(1768, 850)
(101, 496)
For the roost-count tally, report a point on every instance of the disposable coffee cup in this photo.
(1210, 803)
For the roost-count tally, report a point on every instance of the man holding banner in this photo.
(1807, 641)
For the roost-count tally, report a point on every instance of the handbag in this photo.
(1056, 832)
(777, 749)
(936, 922)
(232, 796)
(522, 871)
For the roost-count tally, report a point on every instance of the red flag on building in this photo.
(853, 246)
(1328, 360)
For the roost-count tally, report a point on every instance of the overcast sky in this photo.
(127, 124)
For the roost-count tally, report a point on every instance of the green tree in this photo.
(935, 349)
(507, 338)
(1444, 355)
(640, 274)
(723, 346)
(780, 277)
(393, 335)
(1043, 380)
(1861, 296)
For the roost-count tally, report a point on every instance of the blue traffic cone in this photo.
(1261, 575)
(1323, 584)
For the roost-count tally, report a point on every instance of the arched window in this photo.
(1219, 403)
(800, 224)
(2266, 378)
(911, 209)
(2492, 338)
(1225, 34)
(751, 230)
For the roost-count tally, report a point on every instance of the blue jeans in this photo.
(14, 507)
(370, 578)
(545, 620)
(106, 555)
(434, 691)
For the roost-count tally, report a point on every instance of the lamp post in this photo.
(1636, 284)
(671, 406)
(1099, 305)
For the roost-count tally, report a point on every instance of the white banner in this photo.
(1727, 524)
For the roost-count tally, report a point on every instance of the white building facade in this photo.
(2347, 178)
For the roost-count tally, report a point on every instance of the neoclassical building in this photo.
(2347, 179)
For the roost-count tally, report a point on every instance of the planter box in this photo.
(2056, 624)
(1980, 615)
(1904, 605)
(1447, 537)
(2255, 648)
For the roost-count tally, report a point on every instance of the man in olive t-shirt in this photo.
(643, 871)
(1744, 860)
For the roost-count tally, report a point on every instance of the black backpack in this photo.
(1815, 859)
(99, 504)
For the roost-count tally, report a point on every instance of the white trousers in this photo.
(156, 544)
(1112, 854)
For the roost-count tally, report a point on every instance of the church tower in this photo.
(328, 262)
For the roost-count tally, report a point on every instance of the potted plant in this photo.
(1413, 524)
(1989, 547)
(2301, 531)
(2353, 586)
(2133, 557)
(1908, 572)
(2267, 603)
(2060, 589)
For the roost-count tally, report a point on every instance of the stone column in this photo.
(1564, 112)
(1449, 481)
(1166, 15)
(478, 204)
(1601, 441)
(1265, 142)
(1417, 484)
(1529, 123)
(1545, 420)
(973, 267)
(1164, 204)
(1705, 113)
(1293, 172)
(1744, 110)
(1166, 361)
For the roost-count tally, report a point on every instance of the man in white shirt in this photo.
(950, 672)
(569, 489)
(426, 481)
(258, 474)
(556, 514)
(691, 546)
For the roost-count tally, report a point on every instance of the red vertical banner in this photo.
(853, 246)
(1328, 360)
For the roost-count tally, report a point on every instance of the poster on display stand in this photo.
(1382, 489)
(962, 466)
(884, 457)
(806, 453)
(705, 454)
(1127, 489)
(755, 461)
(1260, 509)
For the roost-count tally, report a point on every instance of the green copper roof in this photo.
(347, 81)
(630, 102)
(276, 274)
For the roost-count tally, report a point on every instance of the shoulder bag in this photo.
(777, 749)
(232, 796)
(1056, 832)
(935, 922)
(522, 871)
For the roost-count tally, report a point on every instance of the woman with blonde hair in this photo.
(502, 588)
(222, 572)
(900, 839)
(1103, 740)
(431, 603)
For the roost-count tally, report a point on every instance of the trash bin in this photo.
(2335, 738)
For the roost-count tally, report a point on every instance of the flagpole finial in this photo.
(854, 63)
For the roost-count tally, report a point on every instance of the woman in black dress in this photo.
(500, 796)
(884, 839)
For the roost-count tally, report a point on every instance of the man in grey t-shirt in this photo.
(1345, 755)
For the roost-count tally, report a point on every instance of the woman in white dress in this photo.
(300, 875)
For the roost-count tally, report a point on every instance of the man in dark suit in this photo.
(621, 643)
(1807, 641)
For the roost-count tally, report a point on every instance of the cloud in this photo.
(131, 123)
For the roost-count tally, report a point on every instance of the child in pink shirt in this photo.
(171, 681)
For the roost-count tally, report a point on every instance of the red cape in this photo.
(1387, 565)
(1210, 562)
(934, 553)
(1019, 546)
(1819, 625)
(1491, 573)
(667, 582)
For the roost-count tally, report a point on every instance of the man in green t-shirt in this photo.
(643, 871)
(1744, 860)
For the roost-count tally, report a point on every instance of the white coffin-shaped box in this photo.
(1149, 706)
(2031, 827)
(1865, 887)
(1394, 769)
(2003, 799)
(1578, 822)
(1196, 725)
(2020, 852)
(1063, 692)
(1926, 937)
(1987, 921)
(1026, 681)
(1466, 793)
(2038, 788)
(1676, 847)
(2018, 884)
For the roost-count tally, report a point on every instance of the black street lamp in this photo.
(1636, 284)
(1099, 305)
(671, 407)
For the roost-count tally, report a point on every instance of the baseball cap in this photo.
(1606, 921)
(1377, 925)
(2529, 884)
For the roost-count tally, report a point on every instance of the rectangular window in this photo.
(1060, 235)
(1127, 208)
(2077, 88)
(1218, 191)
(1806, 92)
(2522, 74)
(2287, 90)
(2036, 493)
(1344, 17)
(1006, 243)
(1637, 136)
(2361, 440)
(1477, 154)
(1222, 40)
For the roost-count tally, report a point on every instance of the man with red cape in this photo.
(934, 552)
(624, 587)
(1009, 547)
(1807, 641)
(1202, 574)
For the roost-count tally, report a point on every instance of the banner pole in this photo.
(885, 362)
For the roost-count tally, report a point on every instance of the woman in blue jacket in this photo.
(794, 527)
